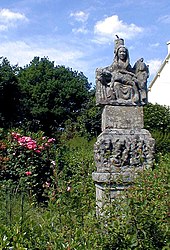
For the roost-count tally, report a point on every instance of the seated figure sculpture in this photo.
(119, 83)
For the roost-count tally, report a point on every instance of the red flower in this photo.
(38, 151)
(16, 135)
(28, 173)
(31, 145)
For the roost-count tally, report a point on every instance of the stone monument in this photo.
(124, 148)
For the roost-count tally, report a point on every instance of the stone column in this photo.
(122, 150)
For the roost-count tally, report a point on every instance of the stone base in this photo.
(122, 150)
(106, 194)
(122, 117)
(110, 186)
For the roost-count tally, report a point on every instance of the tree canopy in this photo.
(9, 93)
(45, 95)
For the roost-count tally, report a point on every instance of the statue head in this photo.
(120, 51)
(121, 55)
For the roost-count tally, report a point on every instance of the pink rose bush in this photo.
(31, 144)
(31, 162)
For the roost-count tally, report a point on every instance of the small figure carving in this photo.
(142, 73)
(119, 83)
(123, 152)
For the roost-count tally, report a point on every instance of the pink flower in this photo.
(15, 135)
(51, 140)
(28, 173)
(31, 145)
(38, 151)
(22, 139)
(47, 184)
(27, 138)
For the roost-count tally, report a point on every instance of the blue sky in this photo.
(80, 33)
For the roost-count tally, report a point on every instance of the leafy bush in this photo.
(137, 221)
(162, 142)
(28, 163)
(140, 221)
(157, 117)
(157, 121)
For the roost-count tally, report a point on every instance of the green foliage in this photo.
(41, 96)
(89, 121)
(141, 220)
(157, 117)
(162, 142)
(27, 163)
(51, 94)
(9, 94)
(138, 220)
(157, 121)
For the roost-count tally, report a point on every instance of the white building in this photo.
(159, 88)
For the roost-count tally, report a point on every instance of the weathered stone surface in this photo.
(120, 84)
(122, 117)
(124, 148)
(116, 177)
(117, 150)
(107, 193)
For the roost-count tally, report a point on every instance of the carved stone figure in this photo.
(120, 151)
(142, 73)
(119, 83)
(124, 148)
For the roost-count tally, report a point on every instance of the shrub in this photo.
(28, 163)
(157, 121)
(137, 221)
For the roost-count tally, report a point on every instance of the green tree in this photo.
(89, 122)
(51, 94)
(9, 94)
(157, 121)
(157, 117)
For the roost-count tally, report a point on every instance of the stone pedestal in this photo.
(122, 150)
(122, 117)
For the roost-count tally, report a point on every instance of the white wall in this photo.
(160, 90)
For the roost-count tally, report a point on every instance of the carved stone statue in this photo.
(119, 83)
(124, 148)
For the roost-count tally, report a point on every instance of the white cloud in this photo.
(105, 30)
(80, 16)
(3, 27)
(9, 18)
(154, 66)
(165, 19)
(22, 53)
(82, 30)
(62, 53)
(154, 45)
